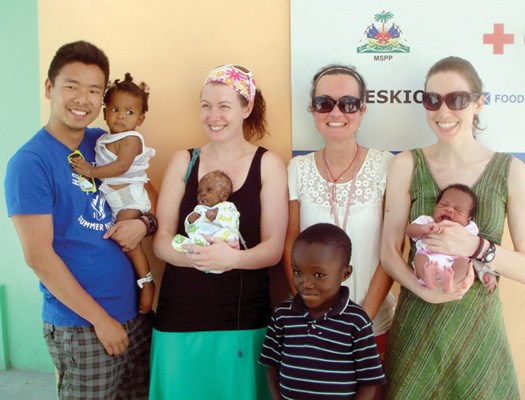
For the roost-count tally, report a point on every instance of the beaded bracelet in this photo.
(150, 221)
(479, 249)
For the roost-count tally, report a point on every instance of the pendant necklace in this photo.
(333, 190)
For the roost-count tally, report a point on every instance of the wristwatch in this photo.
(490, 254)
(146, 279)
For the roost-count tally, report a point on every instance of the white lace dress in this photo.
(364, 226)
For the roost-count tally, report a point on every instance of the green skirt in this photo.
(451, 351)
(209, 365)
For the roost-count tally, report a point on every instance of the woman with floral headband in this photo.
(210, 327)
(343, 183)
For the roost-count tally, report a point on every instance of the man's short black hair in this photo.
(80, 51)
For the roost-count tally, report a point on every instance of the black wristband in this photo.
(150, 222)
(480, 247)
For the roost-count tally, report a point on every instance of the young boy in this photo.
(320, 344)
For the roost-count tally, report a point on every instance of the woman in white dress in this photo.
(343, 183)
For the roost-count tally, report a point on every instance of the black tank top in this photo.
(191, 300)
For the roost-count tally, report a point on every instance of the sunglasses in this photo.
(346, 104)
(454, 100)
(86, 184)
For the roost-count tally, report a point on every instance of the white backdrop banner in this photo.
(393, 44)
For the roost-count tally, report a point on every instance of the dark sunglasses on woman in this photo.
(346, 104)
(454, 100)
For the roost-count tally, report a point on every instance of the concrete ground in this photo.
(18, 384)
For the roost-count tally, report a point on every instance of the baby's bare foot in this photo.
(447, 279)
(429, 275)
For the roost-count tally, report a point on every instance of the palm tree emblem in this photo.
(383, 37)
(386, 39)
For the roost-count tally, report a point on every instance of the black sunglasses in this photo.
(346, 104)
(454, 100)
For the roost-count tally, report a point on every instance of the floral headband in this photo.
(237, 77)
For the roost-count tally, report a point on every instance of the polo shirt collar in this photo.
(343, 297)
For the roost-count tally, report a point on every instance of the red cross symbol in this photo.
(498, 39)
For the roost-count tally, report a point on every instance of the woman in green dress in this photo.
(453, 346)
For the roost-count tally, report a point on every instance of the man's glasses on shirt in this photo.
(86, 184)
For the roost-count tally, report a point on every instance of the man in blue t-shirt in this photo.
(98, 341)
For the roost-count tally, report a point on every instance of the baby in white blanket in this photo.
(213, 216)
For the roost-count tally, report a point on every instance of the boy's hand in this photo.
(366, 392)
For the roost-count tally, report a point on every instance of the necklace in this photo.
(327, 168)
(333, 190)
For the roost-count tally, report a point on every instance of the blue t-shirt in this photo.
(39, 180)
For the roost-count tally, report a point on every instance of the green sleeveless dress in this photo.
(457, 350)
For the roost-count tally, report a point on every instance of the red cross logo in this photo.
(498, 39)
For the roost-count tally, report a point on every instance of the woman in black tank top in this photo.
(212, 325)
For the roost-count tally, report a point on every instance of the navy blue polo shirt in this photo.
(325, 358)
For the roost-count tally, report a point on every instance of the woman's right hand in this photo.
(212, 257)
(452, 239)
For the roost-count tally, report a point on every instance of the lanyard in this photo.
(333, 190)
